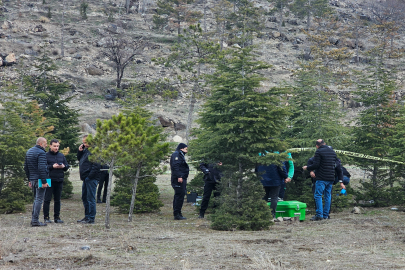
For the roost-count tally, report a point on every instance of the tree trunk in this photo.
(240, 179)
(127, 3)
(119, 77)
(281, 18)
(205, 16)
(3, 173)
(357, 46)
(62, 49)
(190, 113)
(131, 209)
(107, 204)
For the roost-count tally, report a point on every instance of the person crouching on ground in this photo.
(180, 171)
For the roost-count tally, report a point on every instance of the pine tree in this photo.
(235, 126)
(21, 122)
(179, 10)
(309, 9)
(279, 6)
(190, 56)
(374, 130)
(48, 91)
(127, 141)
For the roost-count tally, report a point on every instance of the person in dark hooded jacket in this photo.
(272, 178)
(57, 166)
(180, 171)
(90, 175)
(212, 176)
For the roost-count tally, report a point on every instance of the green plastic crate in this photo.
(291, 209)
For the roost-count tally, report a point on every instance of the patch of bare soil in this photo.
(371, 240)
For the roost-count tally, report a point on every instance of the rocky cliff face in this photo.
(26, 32)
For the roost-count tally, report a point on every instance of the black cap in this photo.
(181, 146)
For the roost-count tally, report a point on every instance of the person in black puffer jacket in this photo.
(36, 170)
(212, 176)
(180, 171)
(272, 178)
(57, 166)
(90, 175)
(324, 163)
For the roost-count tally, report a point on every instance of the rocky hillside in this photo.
(26, 31)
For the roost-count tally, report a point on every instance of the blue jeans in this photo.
(89, 189)
(39, 194)
(346, 180)
(323, 188)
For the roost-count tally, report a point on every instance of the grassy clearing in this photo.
(373, 240)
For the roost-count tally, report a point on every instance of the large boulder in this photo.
(92, 70)
(177, 139)
(87, 129)
(165, 122)
(179, 126)
(10, 60)
(1, 61)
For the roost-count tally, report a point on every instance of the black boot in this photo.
(179, 217)
(201, 215)
(47, 220)
(98, 200)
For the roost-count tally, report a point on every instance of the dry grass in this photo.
(373, 240)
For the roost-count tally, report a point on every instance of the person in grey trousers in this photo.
(36, 169)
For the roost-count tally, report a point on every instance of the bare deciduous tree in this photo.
(122, 51)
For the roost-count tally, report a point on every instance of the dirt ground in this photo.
(371, 240)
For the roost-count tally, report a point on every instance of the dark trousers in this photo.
(103, 181)
(178, 199)
(56, 191)
(208, 188)
(272, 192)
(89, 189)
(282, 190)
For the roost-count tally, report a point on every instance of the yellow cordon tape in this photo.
(347, 153)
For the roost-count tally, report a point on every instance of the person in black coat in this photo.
(180, 171)
(325, 164)
(36, 170)
(90, 175)
(57, 166)
(104, 177)
(212, 177)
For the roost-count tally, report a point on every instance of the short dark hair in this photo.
(320, 142)
(53, 141)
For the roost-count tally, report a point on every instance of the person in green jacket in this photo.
(290, 168)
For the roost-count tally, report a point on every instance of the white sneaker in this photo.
(280, 200)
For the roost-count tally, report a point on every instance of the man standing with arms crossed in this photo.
(324, 164)
(57, 166)
(36, 170)
(90, 175)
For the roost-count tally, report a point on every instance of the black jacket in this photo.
(212, 174)
(345, 172)
(35, 164)
(179, 167)
(56, 174)
(88, 169)
(324, 164)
